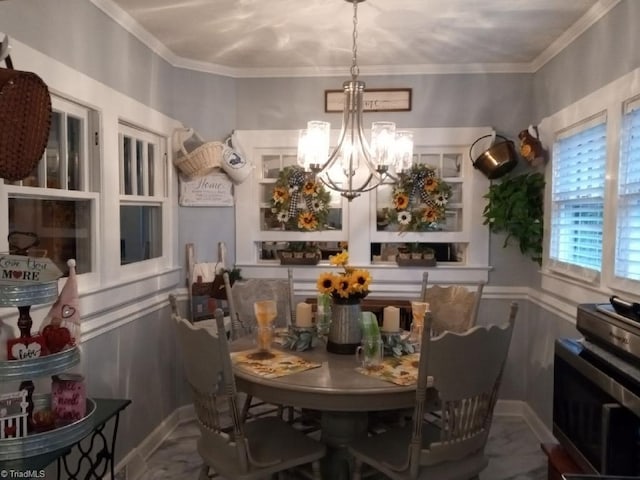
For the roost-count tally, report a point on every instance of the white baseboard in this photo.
(537, 425)
(135, 462)
(518, 408)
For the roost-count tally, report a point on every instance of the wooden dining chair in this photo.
(453, 308)
(243, 293)
(242, 451)
(466, 370)
(241, 296)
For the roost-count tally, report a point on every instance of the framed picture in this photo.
(378, 100)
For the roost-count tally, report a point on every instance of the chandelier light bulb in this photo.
(383, 137)
(403, 150)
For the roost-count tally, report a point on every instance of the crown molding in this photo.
(128, 23)
(594, 14)
(380, 70)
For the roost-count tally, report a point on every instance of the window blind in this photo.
(579, 164)
(627, 261)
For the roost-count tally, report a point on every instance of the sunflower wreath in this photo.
(419, 200)
(299, 202)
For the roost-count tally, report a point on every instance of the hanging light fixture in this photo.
(354, 166)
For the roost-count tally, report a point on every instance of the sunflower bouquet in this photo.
(299, 202)
(419, 200)
(348, 286)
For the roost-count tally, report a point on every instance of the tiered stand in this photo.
(23, 296)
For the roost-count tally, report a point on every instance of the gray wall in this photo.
(606, 51)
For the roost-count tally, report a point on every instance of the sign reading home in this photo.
(213, 190)
(23, 269)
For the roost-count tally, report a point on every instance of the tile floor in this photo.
(513, 450)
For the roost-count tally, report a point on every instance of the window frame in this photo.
(622, 283)
(592, 275)
(89, 182)
(114, 294)
(159, 196)
(609, 99)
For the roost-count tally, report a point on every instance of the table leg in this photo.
(338, 429)
(99, 461)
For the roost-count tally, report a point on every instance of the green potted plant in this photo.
(515, 207)
(305, 253)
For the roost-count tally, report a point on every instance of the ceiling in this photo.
(314, 37)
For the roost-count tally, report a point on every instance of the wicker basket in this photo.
(25, 120)
(201, 160)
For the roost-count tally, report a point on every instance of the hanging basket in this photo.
(25, 120)
(196, 157)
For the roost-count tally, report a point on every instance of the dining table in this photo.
(343, 394)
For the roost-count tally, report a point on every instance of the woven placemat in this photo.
(271, 364)
(399, 370)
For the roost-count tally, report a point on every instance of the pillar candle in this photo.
(391, 319)
(303, 314)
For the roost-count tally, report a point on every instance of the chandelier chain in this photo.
(355, 71)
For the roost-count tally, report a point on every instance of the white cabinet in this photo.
(359, 223)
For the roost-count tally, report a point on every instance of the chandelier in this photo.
(354, 166)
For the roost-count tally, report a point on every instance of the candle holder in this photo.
(397, 344)
(300, 338)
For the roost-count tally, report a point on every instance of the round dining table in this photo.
(344, 397)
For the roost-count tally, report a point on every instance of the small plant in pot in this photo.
(300, 252)
(516, 207)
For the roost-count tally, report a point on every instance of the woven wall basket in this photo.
(25, 120)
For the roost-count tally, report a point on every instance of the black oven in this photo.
(596, 407)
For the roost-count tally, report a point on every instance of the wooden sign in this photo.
(19, 268)
(374, 100)
(213, 190)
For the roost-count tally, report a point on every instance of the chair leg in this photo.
(204, 472)
(245, 408)
(357, 469)
(315, 469)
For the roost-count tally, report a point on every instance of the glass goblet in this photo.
(418, 310)
(266, 312)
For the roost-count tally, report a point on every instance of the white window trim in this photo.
(587, 275)
(609, 99)
(113, 286)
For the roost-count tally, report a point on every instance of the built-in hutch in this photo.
(461, 241)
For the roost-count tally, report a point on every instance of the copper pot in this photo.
(497, 160)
